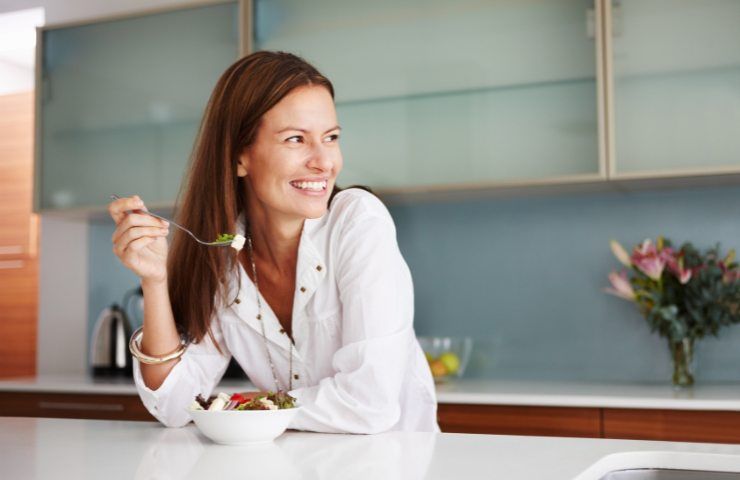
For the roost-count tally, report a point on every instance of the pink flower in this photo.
(674, 261)
(648, 260)
(620, 253)
(621, 286)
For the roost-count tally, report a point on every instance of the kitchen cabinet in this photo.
(592, 422)
(18, 238)
(673, 69)
(626, 423)
(520, 420)
(18, 235)
(497, 96)
(73, 405)
(438, 95)
(674, 425)
(120, 102)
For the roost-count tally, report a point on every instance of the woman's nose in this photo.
(322, 158)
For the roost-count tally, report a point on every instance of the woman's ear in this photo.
(242, 165)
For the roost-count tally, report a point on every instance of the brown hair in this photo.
(213, 196)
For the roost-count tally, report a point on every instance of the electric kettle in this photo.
(109, 354)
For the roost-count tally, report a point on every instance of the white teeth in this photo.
(316, 186)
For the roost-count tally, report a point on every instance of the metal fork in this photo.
(224, 243)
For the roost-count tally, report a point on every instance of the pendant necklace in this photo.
(250, 250)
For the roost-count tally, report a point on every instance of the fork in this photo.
(223, 243)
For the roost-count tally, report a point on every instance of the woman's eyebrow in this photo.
(296, 129)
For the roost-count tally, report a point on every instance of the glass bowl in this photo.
(447, 356)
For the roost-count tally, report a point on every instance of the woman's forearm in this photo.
(160, 335)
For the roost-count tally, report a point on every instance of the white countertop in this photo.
(606, 395)
(487, 392)
(92, 449)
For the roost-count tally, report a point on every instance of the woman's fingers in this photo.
(136, 220)
(132, 234)
(136, 245)
(119, 208)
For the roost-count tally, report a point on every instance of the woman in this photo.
(319, 303)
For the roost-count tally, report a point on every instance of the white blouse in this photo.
(357, 365)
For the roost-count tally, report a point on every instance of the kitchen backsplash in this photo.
(524, 278)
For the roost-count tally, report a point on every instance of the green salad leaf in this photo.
(281, 399)
(225, 237)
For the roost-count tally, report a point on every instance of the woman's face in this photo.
(292, 164)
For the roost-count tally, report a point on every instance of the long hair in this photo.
(213, 196)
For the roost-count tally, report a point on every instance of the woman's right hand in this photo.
(140, 240)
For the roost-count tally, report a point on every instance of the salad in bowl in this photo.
(243, 419)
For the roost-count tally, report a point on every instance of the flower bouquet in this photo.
(683, 293)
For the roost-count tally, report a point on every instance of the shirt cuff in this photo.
(153, 398)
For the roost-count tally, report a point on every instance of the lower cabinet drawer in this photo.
(672, 425)
(516, 420)
(72, 405)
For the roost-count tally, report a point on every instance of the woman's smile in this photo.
(311, 186)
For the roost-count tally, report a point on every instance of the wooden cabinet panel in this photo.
(672, 425)
(18, 238)
(17, 234)
(73, 405)
(516, 420)
(18, 317)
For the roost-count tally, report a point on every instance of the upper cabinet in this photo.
(675, 102)
(432, 93)
(120, 102)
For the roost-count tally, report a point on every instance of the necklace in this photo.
(250, 250)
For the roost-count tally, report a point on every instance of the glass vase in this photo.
(682, 352)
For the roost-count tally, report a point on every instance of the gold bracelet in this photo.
(134, 347)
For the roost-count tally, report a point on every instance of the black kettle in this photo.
(109, 354)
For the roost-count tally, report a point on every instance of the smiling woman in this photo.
(320, 302)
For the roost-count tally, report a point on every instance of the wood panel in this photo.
(518, 420)
(73, 405)
(18, 317)
(672, 425)
(17, 234)
(18, 238)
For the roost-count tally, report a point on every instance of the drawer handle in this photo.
(100, 407)
(11, 250)
(8, 264)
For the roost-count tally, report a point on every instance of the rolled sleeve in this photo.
(376, 293)
(198, 372)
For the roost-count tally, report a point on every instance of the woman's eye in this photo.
(294, 139)
(333, 138)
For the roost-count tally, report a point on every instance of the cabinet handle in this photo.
(100, 407)
(8, 264)
(11, 250)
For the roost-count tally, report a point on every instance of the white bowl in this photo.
(243, 427)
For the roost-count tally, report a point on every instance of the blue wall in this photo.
(524, 276)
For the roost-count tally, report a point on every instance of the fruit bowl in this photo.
(447, 356)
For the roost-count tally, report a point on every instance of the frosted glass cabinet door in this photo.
(676, 67)
(433, 92)
(122, 100)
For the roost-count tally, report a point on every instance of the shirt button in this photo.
(237, 300)
(295, 376)
(303, 289)
(282, 330)
(318, 267)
